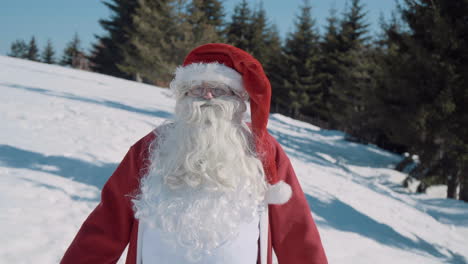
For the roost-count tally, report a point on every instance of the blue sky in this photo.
(58, 20)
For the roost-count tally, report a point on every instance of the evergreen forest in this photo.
(404, 88)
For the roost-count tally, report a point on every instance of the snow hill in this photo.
(63, 132)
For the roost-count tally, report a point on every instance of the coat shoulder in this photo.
(144, 143)
(140, 153)
(142, 148)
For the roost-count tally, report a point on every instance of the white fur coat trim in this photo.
(278, 193)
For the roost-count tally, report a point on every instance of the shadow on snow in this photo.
(447, 211)
(56, 188)
(75, 169)
(311, 147)
(337, 214)
(108, 103)
(341, 216)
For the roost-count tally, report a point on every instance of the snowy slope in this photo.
(63, 132)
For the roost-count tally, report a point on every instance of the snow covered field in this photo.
(64, 131)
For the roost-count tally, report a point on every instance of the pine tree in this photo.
(385, 53)
(107, 52)
(164, 32)
(259, 34)
(252, 31)
(210, 12)
(301, 55)
(19, 49)
(353, 77)
(273, 44)
(204, 20)
(33, 51)
(156, 40)
(443, 41)
(238, 31)
(189, 33)
(274, 66)
(48, 54)
(328, 69)
(424, 89)
(71, 51)
(354, 28)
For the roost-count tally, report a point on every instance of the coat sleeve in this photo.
(106, 232)
(294, 235)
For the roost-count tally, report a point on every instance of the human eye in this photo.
(197, 90)
(219, 92)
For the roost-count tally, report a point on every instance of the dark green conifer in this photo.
(259, 34)
(211, 13)
(238, 32)
(204, 19)
(107, 52)
(353, 77)
(424, 89)
(327, 72)
(164, 32)
(71, 51)
(301, 52)
(48, 54)
(159, 41)
(33, 51)
(274, 66)
(19, 49)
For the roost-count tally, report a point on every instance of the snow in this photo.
(64, 131)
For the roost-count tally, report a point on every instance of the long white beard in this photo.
(204, 179)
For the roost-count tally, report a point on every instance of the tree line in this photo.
(73, 55)
(404, 89)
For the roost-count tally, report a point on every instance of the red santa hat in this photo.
(244, 74)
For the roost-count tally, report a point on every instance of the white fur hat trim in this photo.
(278, 193)
(184, 75)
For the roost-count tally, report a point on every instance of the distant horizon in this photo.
(59, 20)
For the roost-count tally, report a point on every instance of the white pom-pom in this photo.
(278, 193)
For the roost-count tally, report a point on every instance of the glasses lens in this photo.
(197, 91)
(216, 89)
(218, 92)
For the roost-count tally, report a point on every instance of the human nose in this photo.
(208, 94)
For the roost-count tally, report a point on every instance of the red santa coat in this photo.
(111, 226)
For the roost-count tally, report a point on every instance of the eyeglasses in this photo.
(216, 89)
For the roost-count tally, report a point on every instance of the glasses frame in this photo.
(217, 89)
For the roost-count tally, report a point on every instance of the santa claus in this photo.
(205, 187)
